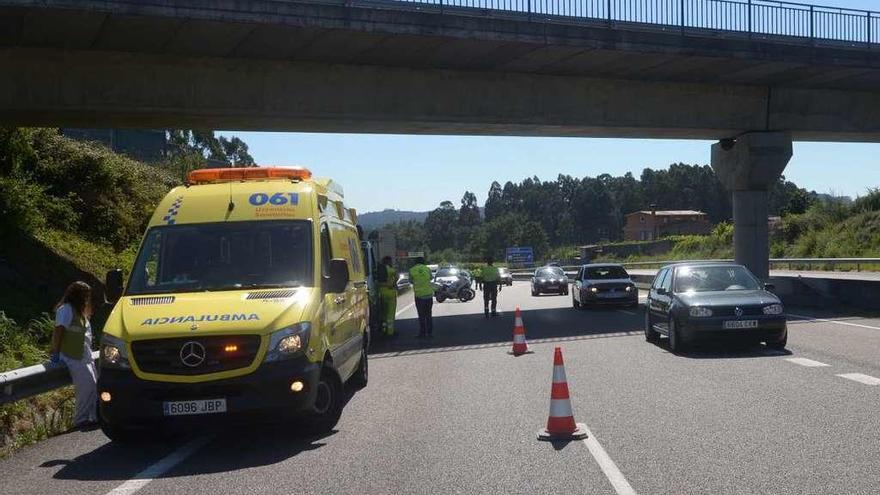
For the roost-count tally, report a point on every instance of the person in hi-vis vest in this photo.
(72, 344)
(387, 281)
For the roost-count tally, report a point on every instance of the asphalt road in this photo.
(459, 415)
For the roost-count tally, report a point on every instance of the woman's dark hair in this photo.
(77, 295)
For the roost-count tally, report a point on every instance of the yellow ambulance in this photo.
(248, 298)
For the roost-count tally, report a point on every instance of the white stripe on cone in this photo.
(519, 339)
(558, 374)
(518, 322)
(560, 408)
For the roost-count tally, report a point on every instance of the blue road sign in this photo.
(520, 254)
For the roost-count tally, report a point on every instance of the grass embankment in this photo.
(68, 210)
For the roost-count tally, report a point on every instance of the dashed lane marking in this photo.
(858, 377)
(614, 475)
(626, 312)
(809, 363)
(837, 322)
(165, 464)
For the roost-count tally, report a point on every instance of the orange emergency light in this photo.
(210, 175)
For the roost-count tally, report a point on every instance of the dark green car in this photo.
(713, 302)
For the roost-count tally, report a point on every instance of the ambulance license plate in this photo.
(189, 407)
(732, 324)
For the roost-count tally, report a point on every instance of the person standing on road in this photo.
(387, 281)
(491, 277)
(72, 344)
(420, 277)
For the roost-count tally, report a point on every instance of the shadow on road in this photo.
(725, 350)
(475, 331)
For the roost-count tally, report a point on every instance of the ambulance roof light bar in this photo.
(212, 175)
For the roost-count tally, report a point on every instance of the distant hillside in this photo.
(376, 219)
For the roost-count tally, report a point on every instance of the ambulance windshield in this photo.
(224, 256)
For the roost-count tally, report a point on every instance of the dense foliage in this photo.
(549, 215)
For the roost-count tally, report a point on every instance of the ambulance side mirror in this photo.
(113, 285)
(338, 279)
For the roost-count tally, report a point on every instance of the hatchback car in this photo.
(713, 301)
(603, 284)
(549, 280)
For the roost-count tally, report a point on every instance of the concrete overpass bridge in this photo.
(752, 73)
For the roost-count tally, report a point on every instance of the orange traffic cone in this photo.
(560, 423)
(520, 346)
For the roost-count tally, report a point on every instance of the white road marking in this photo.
(858, 377)
(401, 311)
(626, 312)
(809, 363)
(824, 320)
(617, 479)
(144, 477)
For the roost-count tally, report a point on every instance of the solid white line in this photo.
(809, 363)
(144, 477)
(626, 312)
(401, 311)
(617, 479)
(858, 377)
(823, 320)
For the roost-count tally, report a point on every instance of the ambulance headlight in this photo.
(113, 353)
(288, 342)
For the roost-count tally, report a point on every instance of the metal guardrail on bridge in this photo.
(789, 262)
(764, 19)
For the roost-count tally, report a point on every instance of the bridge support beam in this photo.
(748, 166)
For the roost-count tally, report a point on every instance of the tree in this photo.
(440, 226)
(236, 152)
(469, 214)
(494, 203)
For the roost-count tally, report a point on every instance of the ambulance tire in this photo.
(360, 377)
(121, 435)
(328, 402)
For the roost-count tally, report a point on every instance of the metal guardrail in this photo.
(33, 380)
(790, 262)
(765, 19)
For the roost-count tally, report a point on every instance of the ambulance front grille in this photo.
(150, 301)
(195, 355)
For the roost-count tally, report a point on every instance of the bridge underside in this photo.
(333, 68)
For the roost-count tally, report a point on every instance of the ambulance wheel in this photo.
(360, 377)
(121, 435)
(328, 402)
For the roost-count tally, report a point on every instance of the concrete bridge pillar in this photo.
(747, 166)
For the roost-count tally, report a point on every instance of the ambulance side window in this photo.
(326, 251)
(151, 267)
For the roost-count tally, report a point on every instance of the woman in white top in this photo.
(72, 343)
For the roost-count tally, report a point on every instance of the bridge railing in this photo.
(769, 19)
(823, 264)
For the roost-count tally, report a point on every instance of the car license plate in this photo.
(188, 407)
(733, 324)
(611, 295)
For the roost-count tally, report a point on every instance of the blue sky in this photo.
(417, 172)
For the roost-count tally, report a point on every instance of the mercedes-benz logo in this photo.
(192, 354)
(738, 311)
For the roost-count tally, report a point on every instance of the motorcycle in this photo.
(458, 288)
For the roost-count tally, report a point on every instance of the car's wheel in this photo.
(779, 345)
(565, 292)
(360, 377)
(651, 335)
(328, 402)
(574, 302)
(534, 292)
(675, 341)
